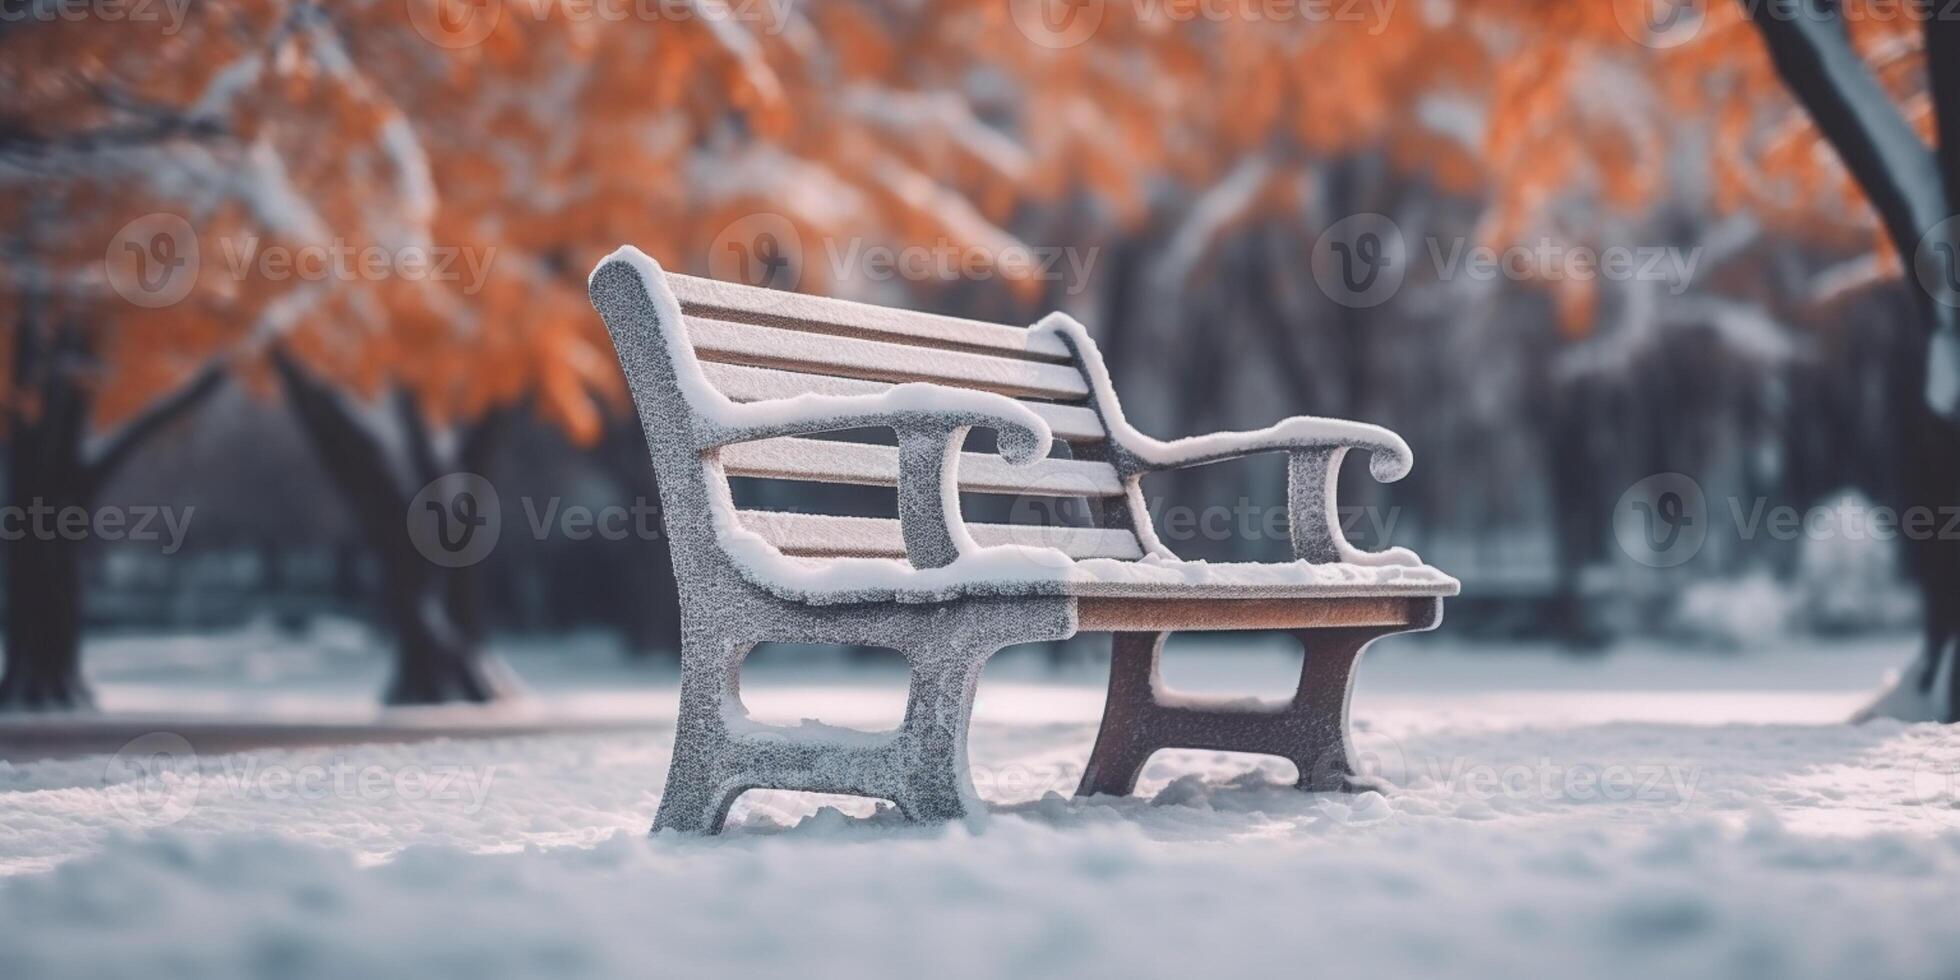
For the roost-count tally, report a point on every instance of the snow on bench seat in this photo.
(1011, 565)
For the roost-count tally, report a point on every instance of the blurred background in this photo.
(273, 267)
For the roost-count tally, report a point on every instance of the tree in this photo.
(114, 177)
(177, 203)
(1915, 190)
(1879, 156)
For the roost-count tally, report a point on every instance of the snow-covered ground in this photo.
(1645, 814)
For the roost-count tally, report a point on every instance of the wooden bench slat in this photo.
(827, 536)
(770, 347)
(1177, 611)
(822, 314)
(820, 461)
(752, 384)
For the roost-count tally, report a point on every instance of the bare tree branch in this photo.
(152, 420)
(1901, 175)
(28, 148)
(1813, 54)
(354, 456)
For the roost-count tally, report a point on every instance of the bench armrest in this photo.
(1314, 448)
(931, 422)
(1389, 457)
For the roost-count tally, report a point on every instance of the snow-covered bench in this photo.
(732, 381)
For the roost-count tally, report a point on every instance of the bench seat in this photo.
(1007, 570)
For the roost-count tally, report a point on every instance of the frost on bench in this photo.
(944, 595)
(1314, 448)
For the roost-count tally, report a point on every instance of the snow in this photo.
(946, 113)
(1752, 608)
(1905, 700)
(1221, 208)
(1646, 813)
(1943, 372)
(1020, 569)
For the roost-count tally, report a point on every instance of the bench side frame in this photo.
(719, 752)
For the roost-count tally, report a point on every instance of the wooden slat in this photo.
(828, 536)
(1136, 613)
(770, 347)
(820, 314)
(752, 384)
(1210, 591)
(877, 466)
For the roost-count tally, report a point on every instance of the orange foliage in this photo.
(529, 153)
(1605, 136)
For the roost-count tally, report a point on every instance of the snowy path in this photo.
(1646, 815)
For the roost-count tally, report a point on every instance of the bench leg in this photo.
(1323, 753)
(1124, 743)
(1311, 730)
(695, 800)
(938, 713)
(921, 767)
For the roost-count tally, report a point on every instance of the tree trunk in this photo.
(1933, 454)
(1913, 187)
(50, 472)
(45, 469)
(652, 611)
(45, 475)
(436, 660)
(44, 623)
(1932, 481)
(432, 611)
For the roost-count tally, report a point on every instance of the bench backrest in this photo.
(756, 345)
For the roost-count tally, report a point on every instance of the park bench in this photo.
(736, 381)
